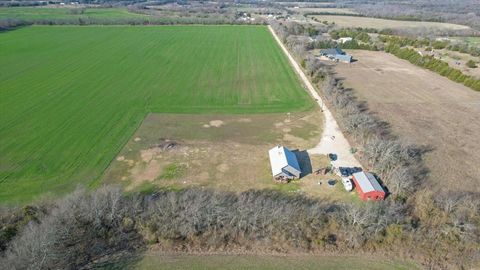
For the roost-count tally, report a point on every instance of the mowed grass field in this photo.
(51, 13)
(366, 22)
(71, 97)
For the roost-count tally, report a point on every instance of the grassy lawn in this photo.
(224, 152)
(198, 262)
(71, 97)
(472, 41)
(44, 13)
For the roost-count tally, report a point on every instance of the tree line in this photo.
(433, 64)
(90, 229)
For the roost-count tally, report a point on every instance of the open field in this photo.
(323, 10)
(425, 108)
(50, 13)
(225, 152)
(197, 262)
(71, 97)
(365, 22)
(459, 61)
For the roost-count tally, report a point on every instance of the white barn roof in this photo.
(367, 182)
(283, 159)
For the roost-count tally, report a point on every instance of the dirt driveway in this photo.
(333, 140)
(425, 108)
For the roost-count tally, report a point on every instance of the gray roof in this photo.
(367, 182)
(346, 57)
(332, 51)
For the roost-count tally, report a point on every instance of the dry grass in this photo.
(226, 152)
(323, 10)
(365, 22)
(220, 261)
(425, 108)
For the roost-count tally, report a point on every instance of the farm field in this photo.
(366, 22)
(50, 13)
(473, 41)
(265, 262)
(224, 152)
(425, 108)
(458, 60)
(71, 97)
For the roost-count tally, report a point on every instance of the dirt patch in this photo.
(141, 173)
(223, 168)
(149, 154)
(216, 123)
(120, 158)
(137, 139)
(245, 120)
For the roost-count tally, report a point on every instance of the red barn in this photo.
(368, 187)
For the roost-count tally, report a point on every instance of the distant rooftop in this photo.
(332, 51)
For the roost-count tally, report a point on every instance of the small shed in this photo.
(284, 164)
(368, 187)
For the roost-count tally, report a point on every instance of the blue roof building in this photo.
(284, 163)
(336, 54)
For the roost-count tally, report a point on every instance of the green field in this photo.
(65, 14)
(266, 262)
(71, 97)
(472, 41)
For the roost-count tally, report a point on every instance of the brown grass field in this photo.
(323, 10)
(154, 260)
(225, 152)
(365, 22)
(426, 109)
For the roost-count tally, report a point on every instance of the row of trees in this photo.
(90, 229)
(433, 64)
(432, 44)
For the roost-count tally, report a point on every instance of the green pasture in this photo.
(45, 13)
(71, 96)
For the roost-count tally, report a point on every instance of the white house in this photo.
(344, 39)
(284, 163)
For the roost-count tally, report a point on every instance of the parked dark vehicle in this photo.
(348, 171)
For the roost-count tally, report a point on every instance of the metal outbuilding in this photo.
(368, 187)
(284, 163)
(335, 54)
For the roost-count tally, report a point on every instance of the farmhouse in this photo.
(368, 187)
(335, 54)
(284, 164)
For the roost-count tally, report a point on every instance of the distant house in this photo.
(368, 187)
(284, 164)
(335, 54)
(344, 39)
